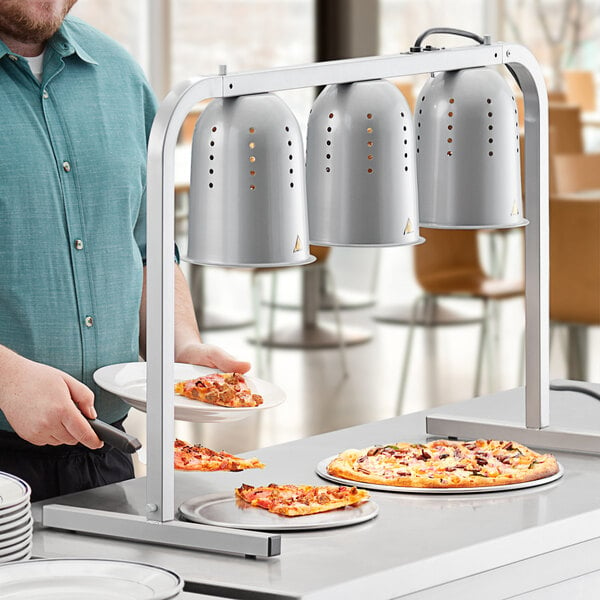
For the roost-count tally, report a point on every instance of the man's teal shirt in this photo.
(72, 205)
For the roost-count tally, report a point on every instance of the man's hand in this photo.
(45, 405)
(207, 355)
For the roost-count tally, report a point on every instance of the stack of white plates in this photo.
(16, 522)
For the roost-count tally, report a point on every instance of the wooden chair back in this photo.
(575, 172)
(448, 256)
(580, 89)
(575, 260)
(566, 131)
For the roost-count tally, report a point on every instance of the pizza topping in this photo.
(222, 389)
(297, 500)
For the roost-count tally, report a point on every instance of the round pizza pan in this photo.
(322, 472)
(226, 510)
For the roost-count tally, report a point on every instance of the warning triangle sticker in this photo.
(298, 244)
(515, 210)
(409, 227)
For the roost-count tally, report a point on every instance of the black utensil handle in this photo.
(115, 437)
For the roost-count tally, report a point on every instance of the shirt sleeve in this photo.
(150, 105)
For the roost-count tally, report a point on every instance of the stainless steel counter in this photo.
(416, 543)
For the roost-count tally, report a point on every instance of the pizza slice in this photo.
(298, 500)
(221, 389)
(191, 457)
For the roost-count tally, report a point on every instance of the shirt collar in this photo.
(62, 42)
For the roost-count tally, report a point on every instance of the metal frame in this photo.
(161, 525)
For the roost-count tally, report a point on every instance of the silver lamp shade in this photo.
(361, 167)
(468, 163)
(247, 187)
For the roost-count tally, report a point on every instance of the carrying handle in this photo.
(446, 30)
(115, 437)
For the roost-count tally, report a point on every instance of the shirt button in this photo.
(89, 321)
(66, 166)
(13, 57)
(78, 245)
(45, 94)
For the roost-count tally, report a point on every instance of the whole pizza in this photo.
(444, 464)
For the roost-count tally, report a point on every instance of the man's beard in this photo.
(28, 26)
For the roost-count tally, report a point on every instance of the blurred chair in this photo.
(566, 130)
(448, 265)
(575, 274)
(575, 172)
(575, 252)
(565, 134)
(580, 89)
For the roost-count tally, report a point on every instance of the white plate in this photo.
(12, 490)
(322, 472)
(23, 520)
(23, 554)
(17, 548)
(15, 515)
(128, 380)
(89, 579)
(20, 528)
(16, 539)
(225, 510)
(15, 508)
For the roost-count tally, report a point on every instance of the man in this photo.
(76, 113)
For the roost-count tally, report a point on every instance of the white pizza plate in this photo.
(225, 510)
(74, 579)
(13, 491)
(322, 472)
(128, 380)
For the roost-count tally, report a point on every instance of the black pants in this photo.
(57, 470)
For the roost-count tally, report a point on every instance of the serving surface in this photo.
(416, 541)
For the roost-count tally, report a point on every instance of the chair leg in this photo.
(338, 320)
(407, 350)
(481, 351)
